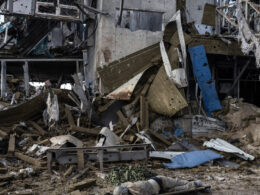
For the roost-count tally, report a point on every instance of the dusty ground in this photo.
(243, 180)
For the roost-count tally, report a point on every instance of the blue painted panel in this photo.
(210, 96)
(192, 159)
(203, 76)
(200, 64)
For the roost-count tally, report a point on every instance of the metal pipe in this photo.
(121, 12)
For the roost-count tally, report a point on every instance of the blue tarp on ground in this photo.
(203, 76)
(192, 159)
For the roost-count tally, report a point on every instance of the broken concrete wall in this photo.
(113, 42)
(195, 9)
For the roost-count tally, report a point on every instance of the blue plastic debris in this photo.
(178, 133)
(192, 159)
(203, 76)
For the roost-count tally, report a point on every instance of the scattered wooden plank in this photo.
(82, 184)
(6, 177)
(122, 118)
(144, 113)
(80, 174)
(69, 117)
(159, 137)
(3, 134)
(81, 160)
(11, 146)
(84, 130)
(69, 171)
(28, 159)
(37, 127)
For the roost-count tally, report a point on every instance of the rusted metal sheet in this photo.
(121, 71)
(214, 45)
(125, 91)
(164, 97)
(22, 112)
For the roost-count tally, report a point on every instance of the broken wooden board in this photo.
(120, 71)
(164, 97)
(3, 134)
(209, 15)
(159, 137)
(122, 118)
(23, 112)
(37, 127)
(82, 184)
(11, 146)
(144, 113)
(69, 117)
(84, 130)
(28, 159)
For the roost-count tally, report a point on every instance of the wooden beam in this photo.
(28, 159)
(159, 137)
(69, 117)
(37, 127)
(227, 18)
(144, 113)
(85, 130)
(11, 146)
(122, 118)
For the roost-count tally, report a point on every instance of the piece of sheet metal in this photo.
(164, 155)
(203, 76)
(107, 156)
(222, 145)
(202, 124)
(70, 155)
(125, 91)
(178, 76)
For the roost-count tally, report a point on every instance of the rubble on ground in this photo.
(141, 133)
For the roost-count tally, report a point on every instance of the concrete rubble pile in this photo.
(149, 129)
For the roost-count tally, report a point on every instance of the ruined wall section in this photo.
(114, 42)
(195, 9)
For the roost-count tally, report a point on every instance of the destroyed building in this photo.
(129, 97)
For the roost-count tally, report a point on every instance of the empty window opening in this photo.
(140, 20)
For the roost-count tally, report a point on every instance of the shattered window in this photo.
(140, 20)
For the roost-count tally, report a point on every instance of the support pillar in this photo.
(3, 79)
(26, 79)
(85, 64)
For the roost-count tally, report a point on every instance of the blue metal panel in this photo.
(203, 76)
(192, 159)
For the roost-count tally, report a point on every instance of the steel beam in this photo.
(98, 154)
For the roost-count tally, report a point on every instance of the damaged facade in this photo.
(163, 97)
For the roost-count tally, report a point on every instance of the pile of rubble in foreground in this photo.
(60, 138)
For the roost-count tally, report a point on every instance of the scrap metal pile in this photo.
(74, 142)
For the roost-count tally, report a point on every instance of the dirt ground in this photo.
(243, 180)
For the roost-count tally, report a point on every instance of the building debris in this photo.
(192, 159)
(99, 97)
(222, 145)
